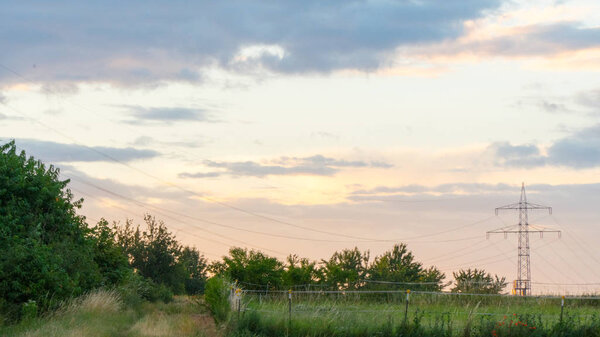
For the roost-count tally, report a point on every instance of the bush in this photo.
(29, 310)
(47, 252)
(216, 295)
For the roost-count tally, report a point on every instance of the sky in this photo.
(306, 127)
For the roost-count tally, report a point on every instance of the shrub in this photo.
(29, 310)
(216, 295)
(47, 253)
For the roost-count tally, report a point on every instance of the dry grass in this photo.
(102, 314)
(98, 301)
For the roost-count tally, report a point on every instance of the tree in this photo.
(399, 265)
(299, 271)
(153, 252)
(477, 281)
(252, 269)
(108, 255)
(195, 266)
(346, 270)
(47, 250)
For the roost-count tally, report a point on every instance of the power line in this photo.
(211, 232)
(221, 203)
(238, 228)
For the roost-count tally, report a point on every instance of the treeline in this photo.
(349, 269)
(49, 254)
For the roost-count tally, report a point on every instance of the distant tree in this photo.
(252, 269)
(434, 277)
(398, 265)
(300, 271)
(108, 254)
(346, 270)
(46, 251)
(153, 252)
(195, 266)
(477, 281)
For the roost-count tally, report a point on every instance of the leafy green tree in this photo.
(252, 269)
(346, 270)
(399, 265)
(195, 266)
(47, 251)
(300, 271)
(108, 255)
(153, 252)
(477, 281)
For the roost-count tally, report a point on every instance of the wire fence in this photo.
(382, 306)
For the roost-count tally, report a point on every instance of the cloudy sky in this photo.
(306, 127)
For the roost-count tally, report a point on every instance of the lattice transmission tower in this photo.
(522, 285)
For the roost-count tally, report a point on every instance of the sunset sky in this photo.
(305, 127)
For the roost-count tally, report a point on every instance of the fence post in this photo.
(406, 308)
(290, 306)
(238, 295)
(562, 307)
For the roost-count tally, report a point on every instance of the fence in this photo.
(402, 306)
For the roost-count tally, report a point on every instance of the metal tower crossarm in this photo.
(522, 285)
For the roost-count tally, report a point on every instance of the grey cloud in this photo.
(200, 175)
(149, 141)
(546, 104)
(507, 154)
(452, 188)
(153, 41)
(553, 107)
(314, 165)
(60, 88)
(249, 168)
(590, 99)
(579, 150)
(60, 152)
(168, 115)
(541, 39)
(3, 98)
(10, 117)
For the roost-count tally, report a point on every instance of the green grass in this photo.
(102, 313)
(428, 315)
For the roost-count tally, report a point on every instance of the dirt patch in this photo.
(207, 325)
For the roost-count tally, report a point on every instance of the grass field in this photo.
(102, 313)
(427, 315)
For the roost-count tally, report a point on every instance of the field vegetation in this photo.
(370, 314)
(103, 313)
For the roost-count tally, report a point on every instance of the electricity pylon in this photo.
(522, 285)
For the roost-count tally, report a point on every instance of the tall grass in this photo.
(102, 313)
(338, 315)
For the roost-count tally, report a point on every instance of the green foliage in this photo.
(153, 252)
(250, 268)
(299, 271)
(346, 269)
(108, 255)
(195, 266)
(47, 252)
(216, 296)
(29, 310)
(399, 265)
(477, 281)
(156, 255)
